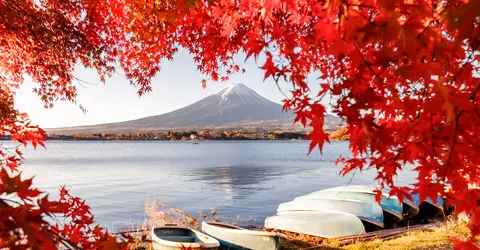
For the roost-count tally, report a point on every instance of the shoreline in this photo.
(194, 136)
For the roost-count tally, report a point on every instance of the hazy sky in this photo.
(177, 85)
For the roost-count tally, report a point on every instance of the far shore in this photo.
(194, 136)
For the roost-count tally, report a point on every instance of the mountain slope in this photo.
(235, 106)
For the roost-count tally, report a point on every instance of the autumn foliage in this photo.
(45, 41)
(402, 74)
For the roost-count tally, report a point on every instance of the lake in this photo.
(240, 179)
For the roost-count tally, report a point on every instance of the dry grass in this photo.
(437, 238)
(158, 214)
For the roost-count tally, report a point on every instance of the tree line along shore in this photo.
(202, 135)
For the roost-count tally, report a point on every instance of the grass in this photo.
(438, 238)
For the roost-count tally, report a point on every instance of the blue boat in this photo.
(428, 208)
(391, 205)
(369, 212)
(438, 203)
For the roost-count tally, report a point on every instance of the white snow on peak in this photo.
(238, 92)
(235, 88)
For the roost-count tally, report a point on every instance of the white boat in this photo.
(410, 209)
(370, 212)
(175, 237)
(324, 223)
(194, 138)
(390, 205)
(233, 237)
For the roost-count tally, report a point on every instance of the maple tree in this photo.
(402, 74)
(45, 40)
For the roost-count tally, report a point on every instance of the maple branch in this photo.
(82, 81)
(467, 61)
(477, 111)
(465, 137)
(16, 12)
(451, 151)
(120, 74)
(281, 91)
(64, 241)
(474, 92)
(441, 126)
(363, 59)
(421, 102)
(472, 96)
(434, 145)
(424, 29)
(357, 48)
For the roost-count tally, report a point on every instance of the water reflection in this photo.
(240, 181)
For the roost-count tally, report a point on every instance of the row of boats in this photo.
(330, 213)
(350, 210)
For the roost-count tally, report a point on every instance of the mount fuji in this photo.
(234, 107)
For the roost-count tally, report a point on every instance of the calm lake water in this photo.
(240, 179)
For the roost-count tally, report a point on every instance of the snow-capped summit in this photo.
(238, 93)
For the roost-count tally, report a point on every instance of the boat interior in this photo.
(176, 235)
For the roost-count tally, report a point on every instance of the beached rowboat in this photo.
(369, 212)
(325, 223)
(174, 237)
(391, 205)
(233, 237)
(410, 209)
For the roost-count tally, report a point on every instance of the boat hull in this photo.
(410, 209)
(325, 223)
(370, 212)
(390, 205)
(173, 237)
(237, 238)
(428, 208)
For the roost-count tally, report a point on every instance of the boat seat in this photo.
(188, 239)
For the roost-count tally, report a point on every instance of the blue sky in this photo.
(177, 85)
